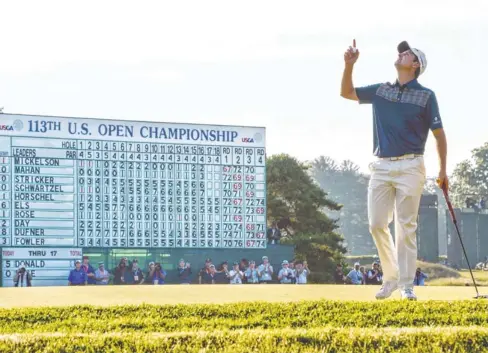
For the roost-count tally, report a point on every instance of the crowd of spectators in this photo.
(476, 205)
(373, 276)
(243, 272)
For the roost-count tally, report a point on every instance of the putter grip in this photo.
(444, 187)
(449, 205)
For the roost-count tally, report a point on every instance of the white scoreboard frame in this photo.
(47, 148)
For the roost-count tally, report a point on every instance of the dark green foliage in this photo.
(293, 194)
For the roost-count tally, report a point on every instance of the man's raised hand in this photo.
(352, 54)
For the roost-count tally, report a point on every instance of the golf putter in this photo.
(454, 221)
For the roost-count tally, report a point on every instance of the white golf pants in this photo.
(395, 188)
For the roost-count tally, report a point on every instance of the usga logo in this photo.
(255, 139)
(17, 125)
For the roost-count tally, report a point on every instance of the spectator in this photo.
(77, 277)
(285, 275)
(102, 276)
(274, 234)
(121, 273)
(375, 275)
(363, 274)
(301, 272)
(339, 275)
(291, 266)
(159, 274)
(150, 273)
(251, 274)
(265, 271)
(355, 276)
(208, 277)
(235, 275)
(22, 278)
(205, 270)
(135, 275)
(482, 203)
(184, 272)
(244, 264)
(222, 273)
(420, 277)
(89, 270)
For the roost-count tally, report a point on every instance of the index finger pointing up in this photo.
(354, 43)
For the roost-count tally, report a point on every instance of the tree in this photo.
(470, 178)
(293, 195)
(321, 252)
(347, 186)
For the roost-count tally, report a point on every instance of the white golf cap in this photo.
(404, 46)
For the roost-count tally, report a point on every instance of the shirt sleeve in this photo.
(432, 114)
(366, 94)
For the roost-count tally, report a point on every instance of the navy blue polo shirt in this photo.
(77, 276)
(402, 116)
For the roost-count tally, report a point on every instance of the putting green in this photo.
(217, 294)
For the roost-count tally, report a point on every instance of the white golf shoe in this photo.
(408, 294)
(387, 289)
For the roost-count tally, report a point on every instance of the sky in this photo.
(276, 64)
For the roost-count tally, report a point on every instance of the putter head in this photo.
(481, 296)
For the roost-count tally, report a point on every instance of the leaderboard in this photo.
(46, 266)
(91, 183)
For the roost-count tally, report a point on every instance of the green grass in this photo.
(235, 319)
(461, 281)
(350, 340)
(440, 275)
(478, 275)
(308, 326)
(237, 316)
(205, 294)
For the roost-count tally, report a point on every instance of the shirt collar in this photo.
(410, 84)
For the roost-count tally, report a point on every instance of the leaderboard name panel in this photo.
(94, 193)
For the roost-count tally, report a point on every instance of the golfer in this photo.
(403, 114)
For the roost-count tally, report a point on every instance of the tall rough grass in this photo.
(308, 326)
